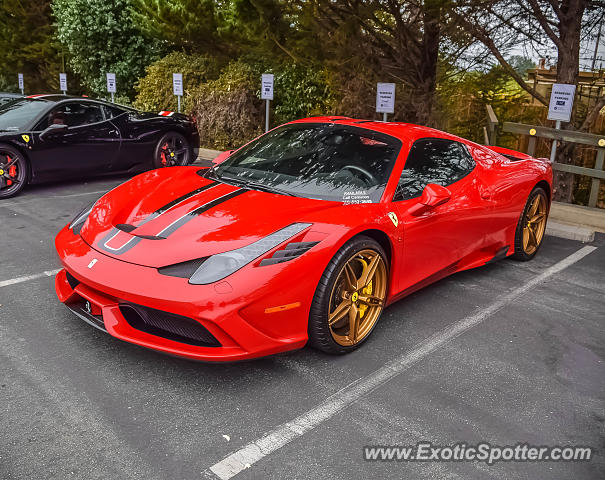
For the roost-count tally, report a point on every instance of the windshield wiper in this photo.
(250, 185)
(212, 172)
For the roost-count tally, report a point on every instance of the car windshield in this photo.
(18, 114)
(321, 161)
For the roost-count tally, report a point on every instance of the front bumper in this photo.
(235, 317)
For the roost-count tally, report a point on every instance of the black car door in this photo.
(89, 145)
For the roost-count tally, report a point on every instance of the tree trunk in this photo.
(568, 64)
(429, 58)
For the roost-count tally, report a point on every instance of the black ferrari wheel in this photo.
(350, 297)
(531, 226)
(14, 171)
(172, 150)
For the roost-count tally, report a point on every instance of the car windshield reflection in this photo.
(320, 161)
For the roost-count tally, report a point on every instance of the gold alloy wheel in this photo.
(534, 224)
(357, 297)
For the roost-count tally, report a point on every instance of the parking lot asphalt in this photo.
(528, 367)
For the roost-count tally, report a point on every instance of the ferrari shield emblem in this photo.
(25, 138)
(394, 218)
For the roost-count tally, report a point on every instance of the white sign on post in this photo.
(267, 87)
(177, 84)
(561, 102)
(385, 98)
(63, 82)
(111, 82)
(21, 85)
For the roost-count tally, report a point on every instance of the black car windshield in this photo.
(18, 114)
(312, 160)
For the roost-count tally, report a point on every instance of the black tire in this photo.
(172, 143)
(520, 253)
(320, 336)
(12, 161)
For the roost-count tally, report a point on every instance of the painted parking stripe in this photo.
(5, 203)
(27, 278)
(251, 453)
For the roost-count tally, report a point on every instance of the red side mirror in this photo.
(433, 195)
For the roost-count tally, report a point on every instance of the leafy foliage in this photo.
(189, 25)
(301, 92)
(101, 37)
(468, 96)
(27, 45)
(155, 88)
(228, 110)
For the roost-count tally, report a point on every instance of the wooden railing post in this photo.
(492, 124)
(596, 182)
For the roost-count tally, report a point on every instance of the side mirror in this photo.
(53, 129)
(433, 195)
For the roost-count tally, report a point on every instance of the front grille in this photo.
(168, 325)
(73, 281)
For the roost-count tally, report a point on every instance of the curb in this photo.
(569, 232)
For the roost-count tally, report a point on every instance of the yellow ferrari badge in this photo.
(394, 218)
(1, 172)
(25, 138)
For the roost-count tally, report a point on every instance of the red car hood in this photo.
(174, 215)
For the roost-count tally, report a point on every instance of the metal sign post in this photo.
(177, 88)
(21, 85)
(266, 94)
(385, 99)
(63, 83)
(559, 109)
(111, 85)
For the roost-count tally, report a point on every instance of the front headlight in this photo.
(221, 265)
(78, 221)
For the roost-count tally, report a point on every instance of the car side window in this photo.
(73, 114)
(112, 112)
(433, 160)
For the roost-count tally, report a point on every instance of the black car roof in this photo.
(56, 97)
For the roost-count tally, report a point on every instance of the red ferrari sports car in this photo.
(303, 235)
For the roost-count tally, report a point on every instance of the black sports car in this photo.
(8, 97)
(54, 137)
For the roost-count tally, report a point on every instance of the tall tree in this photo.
(396, 40)
(189, 25)
(504, 25)
(26, 44)
(101, 37)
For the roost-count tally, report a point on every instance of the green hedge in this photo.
(154, 90)
(226, 101)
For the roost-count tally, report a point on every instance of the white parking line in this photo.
(27, 278)
(251, 453)
(5, 203)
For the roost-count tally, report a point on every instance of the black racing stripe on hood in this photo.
(128, 228)
(118, 251)
(198, 211)
(185, 197)
(169, 229)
